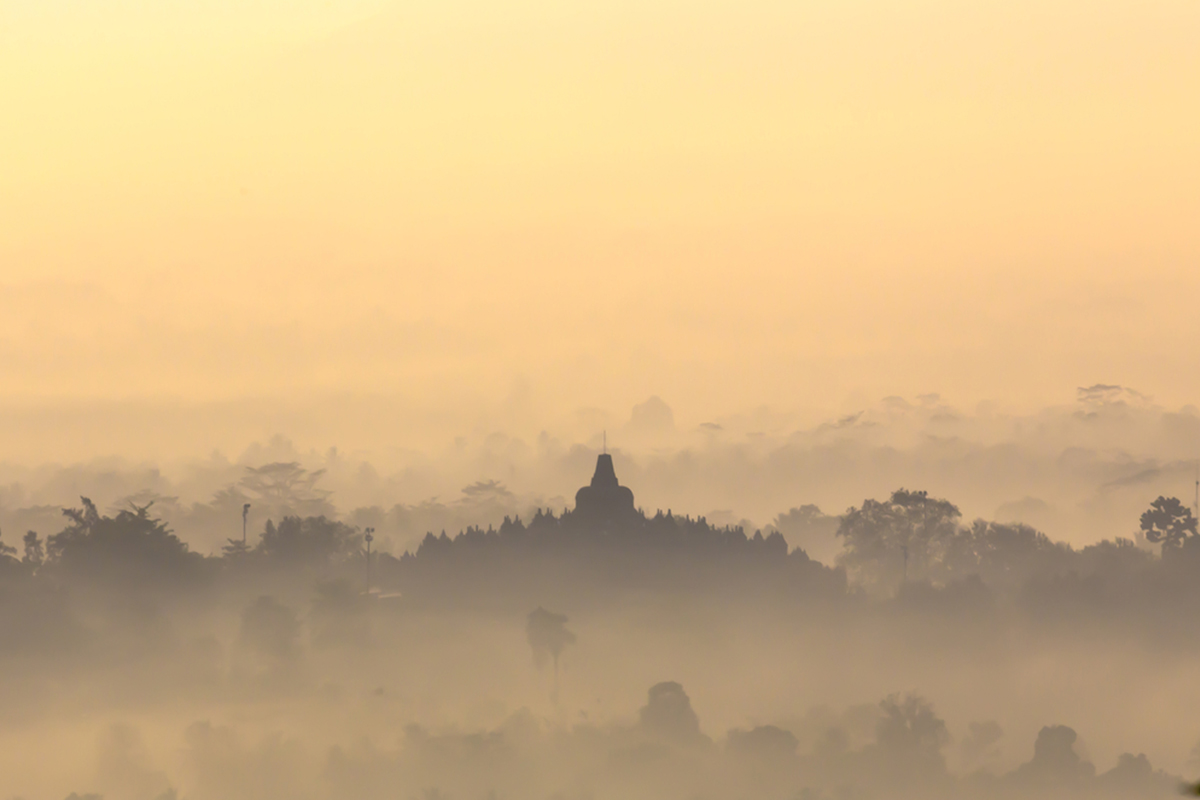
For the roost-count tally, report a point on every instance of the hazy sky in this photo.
(728, 204)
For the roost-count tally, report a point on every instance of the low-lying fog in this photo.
(804, 622)
(1081, 472)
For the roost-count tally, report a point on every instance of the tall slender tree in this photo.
(548, 637)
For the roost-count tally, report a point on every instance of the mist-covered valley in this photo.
(1080, 471)
(910, 601)
(620, 400)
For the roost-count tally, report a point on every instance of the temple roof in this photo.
(605, 475)
(604, 499)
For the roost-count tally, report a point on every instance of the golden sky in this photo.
(729, 204)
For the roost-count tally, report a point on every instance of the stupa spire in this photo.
(604, 498)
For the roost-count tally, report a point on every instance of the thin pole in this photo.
(369, 539)
(245, 512)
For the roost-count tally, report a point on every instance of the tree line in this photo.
(909, 538)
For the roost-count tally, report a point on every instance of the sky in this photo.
(509, 213)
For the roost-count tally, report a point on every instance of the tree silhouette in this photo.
(484, 491)
(131, 548)
(668, 714)
(884, 537)
(35, 551)
(286, 485)
(909, 727)
(981, 739)
(312, 541)
(1054, 758)
(235, 548)
(1168, 522)
(763, 741)
(811, 530)
(7, 552)
(548, 637)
